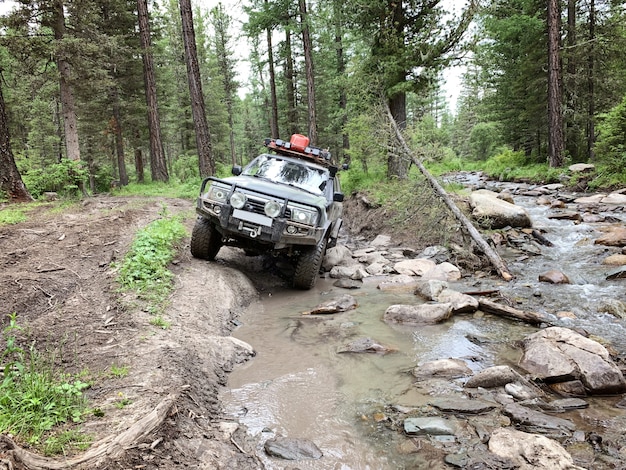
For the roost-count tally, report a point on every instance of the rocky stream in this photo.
(399, 359)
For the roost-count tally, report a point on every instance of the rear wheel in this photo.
(308, 266)
(206, 241)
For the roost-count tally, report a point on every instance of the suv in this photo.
(285, 202)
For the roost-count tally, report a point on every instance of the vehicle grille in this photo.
(256, 203)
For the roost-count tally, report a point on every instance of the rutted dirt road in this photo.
(56, 274)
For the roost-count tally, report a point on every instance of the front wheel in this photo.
(206, 241)
(308, 266)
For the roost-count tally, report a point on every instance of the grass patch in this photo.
(35, 398)
(12, 216)
(144, 269)
(172, 189)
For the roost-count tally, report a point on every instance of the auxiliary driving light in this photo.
(272, 209)
(238, 200)
(292, 230)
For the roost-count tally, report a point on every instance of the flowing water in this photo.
(300, 386)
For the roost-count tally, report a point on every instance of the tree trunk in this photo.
(119, 140)
(309, 72)
(555, 113)
(397, 167)
(273, 99)
(203, 136)
(10, 179)
(569, 85)
(341, 70)
(158, 163)
(292, 112)
(68, 107)
(591, 128)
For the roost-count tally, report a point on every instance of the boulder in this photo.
(617, 199)
(496, 376)
(530, 451)
(554, 277)
(461, 303)
(527, 417)
(414, 267)
(348, 272)
(341, 304)
(339, 255)
(558, 354)
(430, 289)
(496, 213)
(418, 314)
(444, 271)
(399, 284)
(617, 259)
(581, 168)
(292, 449)
(614, 236)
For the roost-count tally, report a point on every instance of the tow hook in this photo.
(253, 232)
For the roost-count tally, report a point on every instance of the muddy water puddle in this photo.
(299, 386)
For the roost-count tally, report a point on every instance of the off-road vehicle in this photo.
(287, 202)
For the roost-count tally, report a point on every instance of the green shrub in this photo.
(64, 178)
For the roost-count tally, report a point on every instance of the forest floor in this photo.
(57, 275)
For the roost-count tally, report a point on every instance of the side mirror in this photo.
(236, 170)
(345, 166)
(338, 197)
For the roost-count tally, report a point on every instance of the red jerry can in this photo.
(299, 142)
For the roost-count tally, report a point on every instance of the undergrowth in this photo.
(35, 398)
(144, 269)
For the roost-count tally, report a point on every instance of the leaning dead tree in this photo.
(493, 257)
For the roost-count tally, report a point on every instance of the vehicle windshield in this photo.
(285, 171)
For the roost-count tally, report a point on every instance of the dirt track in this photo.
(56, 275)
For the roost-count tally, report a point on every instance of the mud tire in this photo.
(308, 266)
(206, 241)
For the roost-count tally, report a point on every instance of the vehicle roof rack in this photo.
(298, 147)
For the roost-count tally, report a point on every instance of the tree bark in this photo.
(119, 140)
(495, 308)
(158, 163)
(206, 163)
(555, 112)
(292, 113)
(591, 128)
(273, 98)
(68, 106)
(341, 70)
(309, 72)
(10, 178)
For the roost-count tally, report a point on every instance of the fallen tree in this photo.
(493, 257)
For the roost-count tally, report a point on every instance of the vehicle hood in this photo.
(279, 190)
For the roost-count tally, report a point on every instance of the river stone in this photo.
(570, 403)
(571, 388)
(566, 215)
(430, 289)
(521, 391)
(418, 314)
(554, 277)
(399, 284)
(462, 405)
(437, 253)
(444, 271)
(350, 272)
(522, 415)
(617, 199)
(414, 267)
(530, 451)
(342, 304)
(292, 449)
(374, 257)
(449, 368)
(619, 273)
(615, 260)
(614, 236)
(496, 376)
(376, 269)
(461, 303)
(614, 307)
(430, 426)
(381, 241)
(557, 354)
(348, 283)
(364, 345)
(593, 199)
(496, 213)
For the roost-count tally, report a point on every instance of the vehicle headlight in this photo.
(218, 193)
(238, 200)
(303, 216)
(272, 209)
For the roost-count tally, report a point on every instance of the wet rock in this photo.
(430, 426)
(364, 345)
(558, 354)
(461, 303)
(342, 304)
(292, 449)
(462, 405)
(614, 236)
(525, 416)
(348, 283)
(570, 388)
(418, 314)
(449, 368)
(554, 277)
(496, 376)
(496, 213)
(615, 198)
(619, 273)
(570, 403)
(437, 253)
(381, 241)
(593, 199)
(590, 218)
(414, 267)
(400, 284)
(614, 307)
(444, 271)
(348, 272)
(374, 257)
(566, 215)
(430, 289)
(530, 451)
(376, 269)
